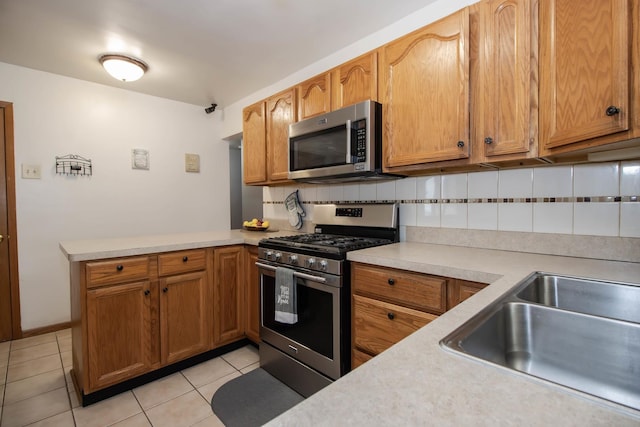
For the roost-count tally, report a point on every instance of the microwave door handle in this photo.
(348, 150)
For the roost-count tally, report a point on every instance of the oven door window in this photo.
(320, 149)
(314, 328)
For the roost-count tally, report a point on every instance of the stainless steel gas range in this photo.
(313, 351)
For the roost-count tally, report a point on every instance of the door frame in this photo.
(12, 241)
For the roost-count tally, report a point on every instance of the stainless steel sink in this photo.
(550, 327)
(608, 299)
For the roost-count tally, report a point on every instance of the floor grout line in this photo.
(58, 339)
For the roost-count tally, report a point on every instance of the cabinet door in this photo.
(504, 125)
(254, 144)
(252, 295)
(281, 112)
(228, 295)
(118, 333)
(460, 290)
(355, 81)
(314, 96)
(584, 70)
(184, 318)
(424, 85)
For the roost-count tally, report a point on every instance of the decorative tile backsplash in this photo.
(600, 199)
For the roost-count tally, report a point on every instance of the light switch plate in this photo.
(31, 171)
(191, 162)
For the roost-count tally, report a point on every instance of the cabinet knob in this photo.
(460, 144)
(185, 258)
(165, 289)
(391, 316)
(612, 110)
(391, 281)
(147, 291)
(119, 267)
(488, 140)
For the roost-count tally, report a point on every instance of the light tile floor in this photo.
(36, 389)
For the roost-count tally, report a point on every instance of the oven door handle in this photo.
(295, 273)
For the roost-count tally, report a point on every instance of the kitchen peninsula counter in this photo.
(92, 249)
(417, 382)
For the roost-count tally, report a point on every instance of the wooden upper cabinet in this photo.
(254, 144)
(281, 112)
(506, 91)
(355, 81)
(424, 86)
(314, 96)
(584, 71)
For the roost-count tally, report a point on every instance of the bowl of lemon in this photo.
(256, 225)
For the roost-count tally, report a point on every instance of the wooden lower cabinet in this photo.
(379, 325)
(252, 295)
(119, 335)
(228, 295)
(460, 290)
(133, 315)
(390, 304)
(185, 316)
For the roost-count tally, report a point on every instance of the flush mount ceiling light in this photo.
(122, 67)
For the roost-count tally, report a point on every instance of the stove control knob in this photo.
(311, 262)
(323, 264)
(293, 259)
(269, 254)
(278, 255)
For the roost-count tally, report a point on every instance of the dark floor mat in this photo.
(253, 399)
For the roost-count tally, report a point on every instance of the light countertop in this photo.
(93, 249)
(417, 382)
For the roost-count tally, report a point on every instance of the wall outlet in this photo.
(31, 171)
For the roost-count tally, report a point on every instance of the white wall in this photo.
(55, 116)
(233, 113)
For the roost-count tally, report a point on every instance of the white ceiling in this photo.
(198, 51)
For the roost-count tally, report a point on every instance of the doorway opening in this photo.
(246, 200)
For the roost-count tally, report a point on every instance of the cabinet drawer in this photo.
(378, 325)
(403, 287)
(181, 262)
(117, 271)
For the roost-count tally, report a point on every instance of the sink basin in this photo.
(608, 299)
(562, 329)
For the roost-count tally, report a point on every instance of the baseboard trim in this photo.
(97, 396)
(45, 329)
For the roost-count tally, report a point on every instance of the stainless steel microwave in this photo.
(340, 146)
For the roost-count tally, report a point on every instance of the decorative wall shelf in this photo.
(72, 164)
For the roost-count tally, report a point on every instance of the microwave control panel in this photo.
(359, 144)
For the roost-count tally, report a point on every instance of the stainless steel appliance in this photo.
(340, 146)
(314, 351)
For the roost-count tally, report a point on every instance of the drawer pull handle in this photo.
(119, 267)
(612, 110)
(185, 258)
(165, 289)
(391, 282)
(147, 291)
(391, 316)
